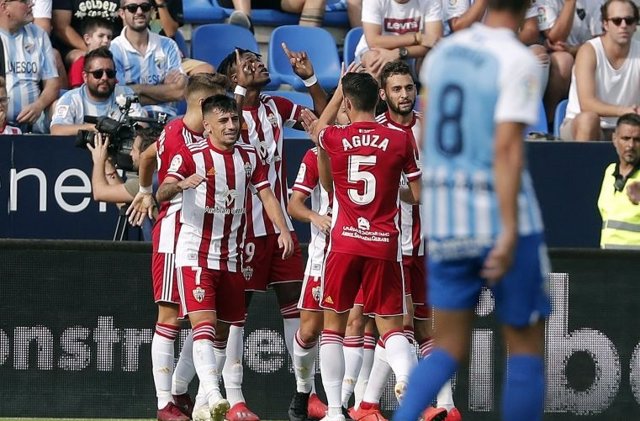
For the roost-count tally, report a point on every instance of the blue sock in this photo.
(425, 382)
(523, 390)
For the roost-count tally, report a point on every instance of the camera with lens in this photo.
(121, 133)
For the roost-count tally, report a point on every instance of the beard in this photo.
(393, 107)
(100, 94)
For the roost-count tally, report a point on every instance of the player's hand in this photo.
(29, 114)
(285, 242)
(142, 205)
(191, 182)
(499, 259)
(322, 222)
(99, 149)
(633, 192)
(300, 62)
(309, 122)
(245, 70)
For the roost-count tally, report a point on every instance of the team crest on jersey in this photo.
(273, 120)
(62, 111)
(363, 224)
(176, 162)
(198, 294)
(247, 272)
(29, 48)
(315, 293)
(248, 169)
(160, 60)
(452, 3)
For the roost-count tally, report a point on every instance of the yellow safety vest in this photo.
(620, 217)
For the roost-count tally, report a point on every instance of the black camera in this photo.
(121, 133)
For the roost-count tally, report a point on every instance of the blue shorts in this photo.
(522, 296)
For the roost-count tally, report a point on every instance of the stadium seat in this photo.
(317, 42)
(203, 11)
(182, 43)
(561, 110)
(272, 17)
(541, 126)
(351, 40)
(215, 41)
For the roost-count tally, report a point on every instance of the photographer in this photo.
(96, 97)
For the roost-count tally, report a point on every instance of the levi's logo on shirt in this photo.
(402, 26)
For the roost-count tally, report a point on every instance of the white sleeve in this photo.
(432, 10)
(454, 9)
(42, 9)
(372, 11)
(519, 97)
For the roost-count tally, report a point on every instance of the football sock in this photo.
(184, 371)
(304, 356)
(162, 356)
(204, 360)
(332, 369)
(353, 352)
(232, 372)
(523, 390)
(365, 368)
(380, 372)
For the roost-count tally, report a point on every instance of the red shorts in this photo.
(416, 280)
(310, 295)
(263, 265)
(163, 273)
(203, 289)
(359, 301)
(382, 284)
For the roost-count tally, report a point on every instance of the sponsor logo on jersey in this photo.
(198, 294)
(328, 300)
(363, 224)
(211, 172)
(19, 67)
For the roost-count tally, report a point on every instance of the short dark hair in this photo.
(361, 89)
(631, 119)
(148, 136)
(219, 102)
(100, 52)
(206, 82)
(604, 9)
(513, 6)
(392, 68)
(89, 25)
(227, 65)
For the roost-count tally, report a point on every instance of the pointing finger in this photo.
(286, 50)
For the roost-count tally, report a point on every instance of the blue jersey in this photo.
(75, 104)
(475, 79)
(161, 57)
(28, 61)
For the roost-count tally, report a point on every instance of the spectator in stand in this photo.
(311, 11)
(606, 77)
(395, 29)
(4, 100)
(619, 210)
(149, 63)
(566, 24)
(67, 19)
(31, 77)
(96, 97)
(96, 33)
(169, 17)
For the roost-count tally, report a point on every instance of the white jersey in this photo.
(614, 86)
(308, 183)
(456, 8)
(486, 77)
(587, 19)
(410, 221)
(398, 18)
(162, 56)
(28, 61)
(76, 104)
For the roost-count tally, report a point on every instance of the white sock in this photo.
(380, 372)
(304, 356)
(445, 397)
(400, 355)
(201, 398)
(204, 360)
(232, 373)
(353, 353)
(291, 326)
(185, 370)
(332, 370)
(162, 355)
(365, 369)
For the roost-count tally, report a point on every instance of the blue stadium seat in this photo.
(213, 42)
(203, 11)
(541, 126)
(317, 42)
(182, 43)
(561, 110)
(272, 17)
(351, 40)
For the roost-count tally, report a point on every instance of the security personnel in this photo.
(619, 209)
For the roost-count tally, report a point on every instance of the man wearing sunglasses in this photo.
(95, 97)
(606, 77)
(148, 63)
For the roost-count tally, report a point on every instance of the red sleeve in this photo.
(289, 111)
(328, 136)
(182, 165)
(308, 177)
(259, 178)
(75, 73)
(411, 168)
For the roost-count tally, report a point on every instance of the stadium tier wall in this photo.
(76, 324)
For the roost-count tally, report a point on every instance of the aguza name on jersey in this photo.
(372, 140)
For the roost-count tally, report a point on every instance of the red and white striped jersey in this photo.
(214, 214)
(410, 225)
(174, 136)
(308, 183)
(263, 127)
(11, 130)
